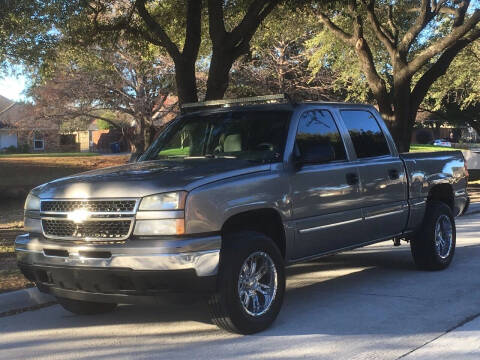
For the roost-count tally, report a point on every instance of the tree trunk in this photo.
(138, 142)
(218, 74)
(403, 124)
(186, 81)
(402, 130)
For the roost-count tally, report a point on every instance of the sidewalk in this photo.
(461, 343)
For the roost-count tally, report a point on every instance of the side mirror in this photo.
(134, 157)
(317, 153)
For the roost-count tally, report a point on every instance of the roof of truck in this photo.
(273, 107)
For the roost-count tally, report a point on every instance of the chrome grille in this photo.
(88, 220)
(66, 206)
(104, 229)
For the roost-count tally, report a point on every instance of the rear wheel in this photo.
(433, 246)
(85, 307)
(251, 284)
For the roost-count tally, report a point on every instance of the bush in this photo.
(24, 149)
(10, 150)
(423, 136)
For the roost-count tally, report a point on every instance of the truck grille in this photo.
(89, 205)
(107, 229)
(90, 220)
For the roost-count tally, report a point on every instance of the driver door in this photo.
(325, 196)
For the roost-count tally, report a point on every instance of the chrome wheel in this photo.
(257, 283)
(443, 236)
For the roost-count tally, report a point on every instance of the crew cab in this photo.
(226, 197)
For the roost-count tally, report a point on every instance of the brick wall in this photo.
(51, 140)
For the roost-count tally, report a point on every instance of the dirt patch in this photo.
(19, 175)
(11, 213)
(10, 276)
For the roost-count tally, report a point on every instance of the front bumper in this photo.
(135, 267)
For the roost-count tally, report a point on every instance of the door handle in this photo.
(393, 174)
(352, 179)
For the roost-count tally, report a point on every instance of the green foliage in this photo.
(30, 30)
(460, 85)
(103, 125)
(331, 53)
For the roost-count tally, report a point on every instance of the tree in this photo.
(132, 84)
(279, 60)
(456, 95)
(417, 39)
(25, 36)
(229, 34)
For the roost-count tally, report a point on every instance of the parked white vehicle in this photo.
(442, 142)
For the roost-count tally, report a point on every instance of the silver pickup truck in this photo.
(226, 197)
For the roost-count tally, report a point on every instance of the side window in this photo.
(367, 137)
(317, 130)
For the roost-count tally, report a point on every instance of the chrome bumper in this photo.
(199, 253)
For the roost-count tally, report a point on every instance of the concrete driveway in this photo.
(365, 304)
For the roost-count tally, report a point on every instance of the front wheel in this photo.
(433, 246)
(251, 284)
(85, 307)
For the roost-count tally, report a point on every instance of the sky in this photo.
(11, 87)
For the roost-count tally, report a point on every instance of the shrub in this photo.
(10, 150)
(24, 149)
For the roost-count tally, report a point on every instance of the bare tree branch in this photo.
(256, 13)
(194, 28)
(424, 17)
(439, 68)
(157, 29)
(441, 45)
(378, 29)
(342, 35)
(216, 22)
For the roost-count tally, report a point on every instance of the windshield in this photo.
(249, 135)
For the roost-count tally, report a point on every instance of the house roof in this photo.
(4, 102)
(20, 116)
(5, 106)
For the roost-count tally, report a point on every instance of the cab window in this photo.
(367, 137)
(317, 130)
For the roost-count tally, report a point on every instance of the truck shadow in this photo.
(389, 272)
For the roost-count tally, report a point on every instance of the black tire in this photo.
(423, 245)
(225, 305)
(85, 307)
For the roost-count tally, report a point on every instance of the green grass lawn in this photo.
(175, 152)
(427, 148)
(50, 154)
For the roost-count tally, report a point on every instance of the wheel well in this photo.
(265, 221)
(443, 193)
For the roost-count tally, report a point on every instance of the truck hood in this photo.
(146, 178)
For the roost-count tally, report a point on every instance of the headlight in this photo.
(32, 202)
(159, 227)
(166, 201)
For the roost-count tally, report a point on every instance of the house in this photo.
(430, 126)
(7, 138)
(19, 128)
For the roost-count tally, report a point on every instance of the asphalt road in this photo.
(365, 304)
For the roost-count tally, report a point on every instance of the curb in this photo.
(22, 300)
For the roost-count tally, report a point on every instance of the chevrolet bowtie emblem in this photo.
(78, 216)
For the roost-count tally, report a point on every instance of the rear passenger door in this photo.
(382, 175)
(325, 197)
